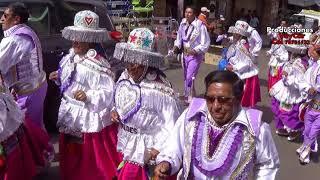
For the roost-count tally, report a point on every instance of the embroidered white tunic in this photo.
(92, 75)
(287, 89)
(256, 153)
(154, 120)
(310, 79)
(11, 117)
(279, 55)
(255, 41)
(241, 60)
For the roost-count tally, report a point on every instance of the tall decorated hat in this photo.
(241, 27)
(139, 49)
(86, 29)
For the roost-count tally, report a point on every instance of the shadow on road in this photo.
(315, 157)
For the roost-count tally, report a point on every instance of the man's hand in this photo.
(175, 50)
(192, 52)
(312, 91)
(115, 116)
(268, 53)
(53, 76)
(229, 67)
(14, 94)
(162, 170)
(154, 153)
(80, 95)
(284, 73)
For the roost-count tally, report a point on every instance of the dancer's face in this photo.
(80, 48)
(236, 37)
(135, 71)
(313, 53)
(221, 102)
(9, 19)
(189, 15)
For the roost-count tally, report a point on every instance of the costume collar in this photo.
(185, 22)
(11, 30)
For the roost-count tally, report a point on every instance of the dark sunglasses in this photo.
(5, 15)
(220, 99)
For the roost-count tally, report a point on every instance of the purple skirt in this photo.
(288, 118)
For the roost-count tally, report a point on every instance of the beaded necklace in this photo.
(228, 142)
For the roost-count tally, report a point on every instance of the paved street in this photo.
(290, 167)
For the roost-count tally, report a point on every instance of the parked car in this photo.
(48, 18)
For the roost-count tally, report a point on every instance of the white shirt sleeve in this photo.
(173, 148)
(178, 41)
(283, 55)
(170, 113)
(204, 40)
(267, 160)
(13, 49)
(258, 42)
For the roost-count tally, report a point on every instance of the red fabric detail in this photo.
(133, 38)
(39, 141)
(132, 172)
(251, 94)
(274, 79)
(96, 158)
(20, 163)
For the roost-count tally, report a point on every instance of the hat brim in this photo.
(74, 33)
(127, 53)
(233, 29)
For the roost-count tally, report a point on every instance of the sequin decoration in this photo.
(127, 99)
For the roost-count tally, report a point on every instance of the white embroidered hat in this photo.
(139, 49)
(205, 9)
(86, 29)
(241, 27)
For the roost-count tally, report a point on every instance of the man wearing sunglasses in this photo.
(216, 138)
(21, 67)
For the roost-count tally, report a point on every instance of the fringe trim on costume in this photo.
(85, 35)
(127, 53)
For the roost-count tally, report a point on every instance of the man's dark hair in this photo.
(226, 77)
(318, 51)
(283, 19)
(21, 10)
(194, 9)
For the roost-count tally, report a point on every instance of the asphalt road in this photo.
(290, 167)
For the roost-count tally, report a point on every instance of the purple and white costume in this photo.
(206, 151)
(287, 96)
(192, 36)
(312, 115)
(21, 65)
